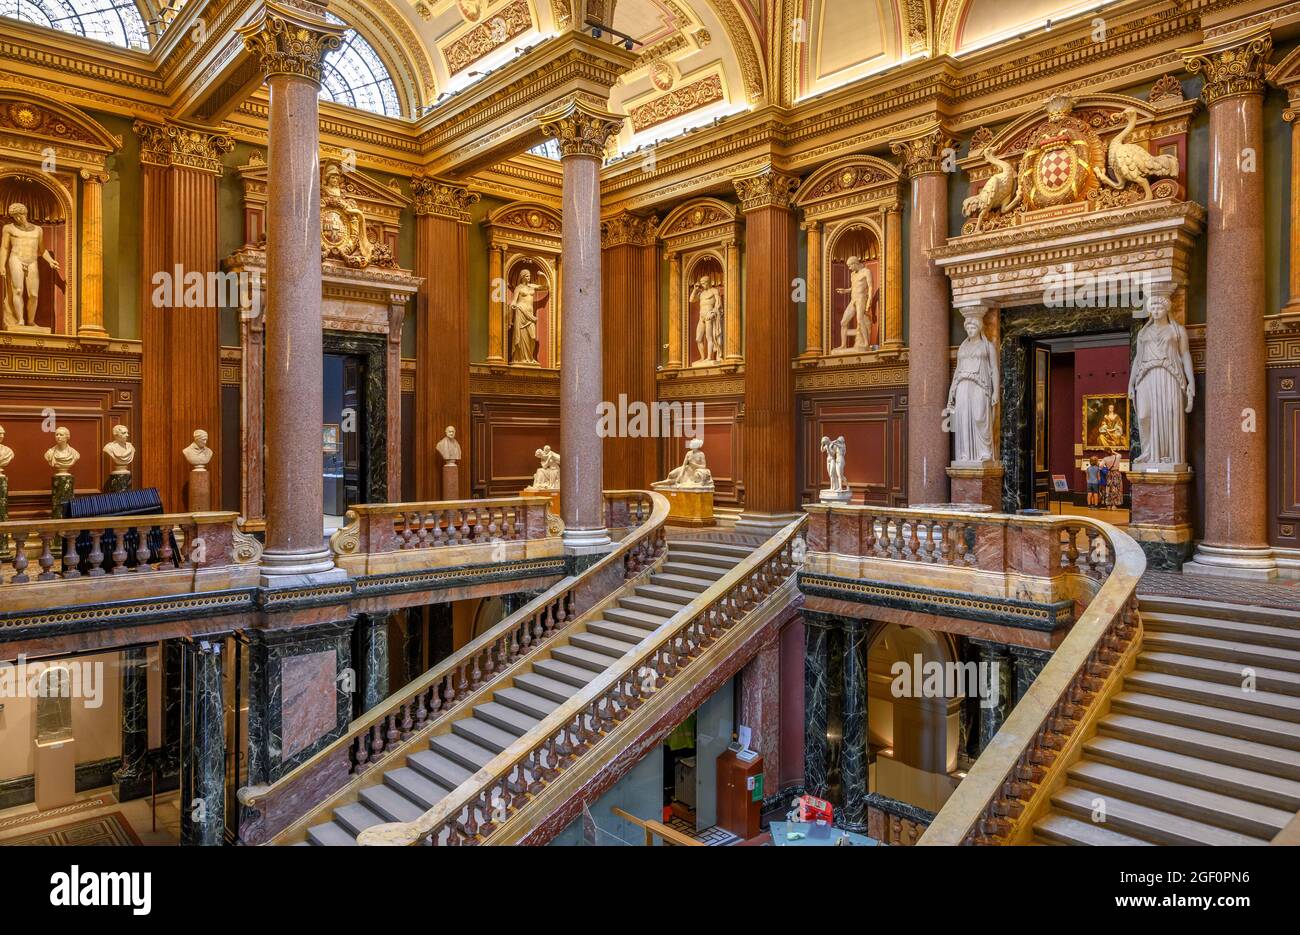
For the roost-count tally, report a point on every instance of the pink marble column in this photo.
(290, 43)
(1236, 413)
(928, 335)
(760, 710)
(582, 133)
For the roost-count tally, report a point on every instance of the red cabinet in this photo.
(738, 810)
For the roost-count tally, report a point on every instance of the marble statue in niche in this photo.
(120, 453)
(342, 224)
(1163, 388)
(524, 302)
(973, 394)
(22, 247)
(197, 452)
(835, 451)
(693, 473)
(708, 329)
(856, 320)
(547, 476)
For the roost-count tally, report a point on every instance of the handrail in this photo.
(454, 681)
(541, 755)
(1004, 791)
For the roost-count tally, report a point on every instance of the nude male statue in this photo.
(861, 289)
(708, 333)
(21, 246)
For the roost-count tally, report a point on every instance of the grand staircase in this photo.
(1186, 755)
(575, 659)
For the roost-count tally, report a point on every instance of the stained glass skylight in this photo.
(354, 75)
(114, 21)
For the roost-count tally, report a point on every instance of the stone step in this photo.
(1257, 633)
(1246, 654)
(1260, 788)
(1231, 751)
(1058, 828)
(1264, 730)
(612, 629)
(505, 718)
(701, 559)
(486, 735)
(331, 834)
(730, 549)
(666, 595)
(391, 804)
(1232, 697)
(460, 749)
(356, 817)
(1211, 808)
(611, 646)
(540, 684)
(583, 658)
(689, 583)
(1149, 824)
(684, 570)
(1220, 672)
(647, 605)
(443, 770)
(1242, 613)
(416, 786)
(526, 702)
(634, 618)
(567, 672)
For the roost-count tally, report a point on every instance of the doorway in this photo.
(342, 454)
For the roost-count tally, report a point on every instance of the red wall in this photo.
(1086, 371)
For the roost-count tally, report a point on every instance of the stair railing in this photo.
(1010, 785)
(274, 810)
(481, 805)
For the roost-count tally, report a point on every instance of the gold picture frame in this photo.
(330, 438)
(1106, 421)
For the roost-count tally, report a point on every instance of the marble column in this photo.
(1236, 407)
(442, 632)
(131, 779)
(771, 342)
(733, 344)
(290, 44)
(497, 299)
(203, 748)
(90, 327)
(582, 132)
(173, 662)
(928, 333)
(674, 311)
(813, 305)
(854, 755)
(413, 641)
(1027, 663)
(816, 703)
(760, 710)
(995, 689)
(442, 218)
(892, 330)
(372, 661)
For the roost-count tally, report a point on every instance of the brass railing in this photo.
(270, 811)
(520, 776)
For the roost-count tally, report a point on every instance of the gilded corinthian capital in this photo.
(442, 198)
(925, 154)
(173, 144)
(766, 188)
(580, 127)
(291, 39)
(1233, 69)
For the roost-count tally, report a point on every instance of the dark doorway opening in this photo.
(354, 446)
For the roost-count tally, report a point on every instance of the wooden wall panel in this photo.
(629, 292)
(1284, 456)
(723, 449)
(505, 432)
(874, 427)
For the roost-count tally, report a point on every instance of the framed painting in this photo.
(1105, 422)
(330, 437)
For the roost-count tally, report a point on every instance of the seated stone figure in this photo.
(693, 473)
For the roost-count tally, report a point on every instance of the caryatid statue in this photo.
(22, 246)
(523, 317)
(1163, 388)
(835, 452)
(708, 331)
(860, 292)
(973, 394)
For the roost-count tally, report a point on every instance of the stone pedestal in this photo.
(1160, 519)
(688, 506)
(977, 483)
(56, 774)
(835, 496)
(451, 481)
(552, 495)
(199, 491)
(118, 482)
(61, 493)
(4, 501)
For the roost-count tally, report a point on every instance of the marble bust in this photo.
(1163, 388)
(973, 394)
(548, 475)
(197, 453)
(62, 456)
(6, 453)
(447, 446)
(693, 473)
(22, 247)
(120, 451)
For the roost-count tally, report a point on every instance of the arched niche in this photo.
(524, 235)
(702, 236)
(49, 207)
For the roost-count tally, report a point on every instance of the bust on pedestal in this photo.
(449, 448)
(689, 488)
(546, 479)
(120, 453)
(838, 490)
(971, 414)
(61, 457)
(6, 455)
(198, 454)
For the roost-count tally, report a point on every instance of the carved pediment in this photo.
(852, 181)
(697, 221)
(29, 124)
(525, 223)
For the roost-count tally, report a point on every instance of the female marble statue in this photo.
(693, 471)
(973, 395)
(62, 456)
(835, 451)
(547, 476)
(1162, 387)
(524, 320)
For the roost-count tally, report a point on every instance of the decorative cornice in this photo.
(1231, 70)
(580, 128)
(442, 198)
(683, 100)
(767, 188)
(173, 144)
(627, 228)
(291, 40)
(510, 21)
(925, 154)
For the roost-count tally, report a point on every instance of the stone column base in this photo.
(1228, 562)
(1160, 518)
(977, 484)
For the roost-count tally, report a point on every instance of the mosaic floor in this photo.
(714, 836)
(108, 830)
